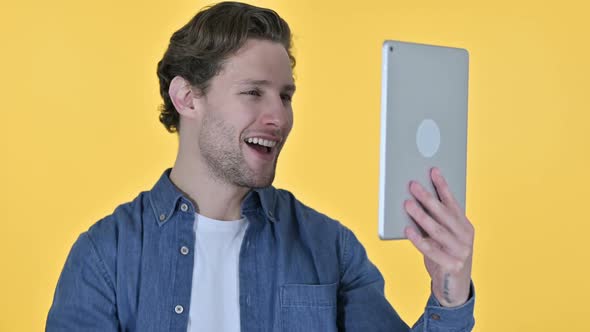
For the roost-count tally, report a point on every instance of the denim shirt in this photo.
(298, 271)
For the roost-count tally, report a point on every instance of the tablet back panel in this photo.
(423, 124)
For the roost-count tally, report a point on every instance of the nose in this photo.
(277, 113)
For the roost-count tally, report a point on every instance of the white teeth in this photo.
(261, 141)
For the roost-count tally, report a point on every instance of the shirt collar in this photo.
(165, 197)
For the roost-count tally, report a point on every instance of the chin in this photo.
(263, 177)
(263, 182)
(257, 181)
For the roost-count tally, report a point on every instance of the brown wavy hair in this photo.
(197, 51)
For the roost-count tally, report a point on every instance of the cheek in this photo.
(289, 124)
(233, 112)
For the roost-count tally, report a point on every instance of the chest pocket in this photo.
(307, 308)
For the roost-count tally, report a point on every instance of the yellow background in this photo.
(80, 135)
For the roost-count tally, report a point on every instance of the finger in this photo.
(433, 205)
(448, 241)
(432, 251)
(451, 203)
(444, 192)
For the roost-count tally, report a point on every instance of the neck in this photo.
(214, 197)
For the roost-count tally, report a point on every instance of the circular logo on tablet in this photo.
(428, 138)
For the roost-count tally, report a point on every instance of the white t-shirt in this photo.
(215, 304)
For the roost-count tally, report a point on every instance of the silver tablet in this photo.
(423, 124)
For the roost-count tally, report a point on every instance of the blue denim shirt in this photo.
(299, 271)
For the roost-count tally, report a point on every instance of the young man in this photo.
(213, 246)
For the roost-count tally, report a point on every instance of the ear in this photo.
(182, 95)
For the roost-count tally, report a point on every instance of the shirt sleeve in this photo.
(84, 298)
(362, 305)
(439, 318)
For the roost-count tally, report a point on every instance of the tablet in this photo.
(423, 125)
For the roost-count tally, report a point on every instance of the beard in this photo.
(224, 158)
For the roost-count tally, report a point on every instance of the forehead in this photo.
(259, 60)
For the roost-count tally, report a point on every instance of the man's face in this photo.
(247, 115)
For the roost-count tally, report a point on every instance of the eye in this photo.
(254, 92)
(286, 97)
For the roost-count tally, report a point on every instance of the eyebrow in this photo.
(287, 87)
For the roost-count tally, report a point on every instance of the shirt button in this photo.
(435, 317)
(162, 217)
(184, 250)
(178, 309)
(184, 207)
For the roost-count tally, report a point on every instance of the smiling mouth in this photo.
(261, 145)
